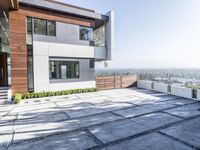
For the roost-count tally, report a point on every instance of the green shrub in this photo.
(192, 86)
(17, 98)
(49, 94)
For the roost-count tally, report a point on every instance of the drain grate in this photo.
(37, 101)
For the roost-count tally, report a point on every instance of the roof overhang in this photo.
(67, 9)
(9, 4)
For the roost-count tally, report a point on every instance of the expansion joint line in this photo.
(178, 140)
(13, 133)
(68, 116)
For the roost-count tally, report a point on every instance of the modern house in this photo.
(46, 45)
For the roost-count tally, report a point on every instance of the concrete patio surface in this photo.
(129, 119)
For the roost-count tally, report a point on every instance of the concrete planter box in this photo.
(144, 84)
(161, 87)
(181, 91)
(198, 94)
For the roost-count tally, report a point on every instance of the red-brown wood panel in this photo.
(18, 54)
(114, 82)
(52, 15)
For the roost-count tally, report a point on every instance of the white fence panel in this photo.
(161, 87)
(181, 91)
(144, 84)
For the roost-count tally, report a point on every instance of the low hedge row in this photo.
(49, 94)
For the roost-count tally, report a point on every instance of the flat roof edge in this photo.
(62, 8)
(66, 4)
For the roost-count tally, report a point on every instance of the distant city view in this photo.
(187, 77)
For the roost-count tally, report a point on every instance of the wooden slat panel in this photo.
(50, 15)
(114, 82)
(17, 26)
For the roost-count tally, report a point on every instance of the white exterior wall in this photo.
(110, 34)
(41, 53)
(71, 85)
(161, 87)
(100, 53)
(41, 73)
(181, 91)
(68, 50)
(144, 84)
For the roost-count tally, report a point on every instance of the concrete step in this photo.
(3, 97)
(3, 91)
(3, 94)
(4, 88)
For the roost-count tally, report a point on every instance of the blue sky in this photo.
(152, 33)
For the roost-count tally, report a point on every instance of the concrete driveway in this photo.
(114, 120)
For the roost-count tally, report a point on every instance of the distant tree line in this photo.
(151, 74)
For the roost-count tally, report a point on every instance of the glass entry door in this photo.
(3, 70)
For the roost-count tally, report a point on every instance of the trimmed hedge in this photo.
(57, 93)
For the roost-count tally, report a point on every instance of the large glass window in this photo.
(40, 26)
(51, 28)
(29, 30)
(86, 33)
(29, 25)
(44, 27)
(29, 42)
(30, 67)
(99, 37)
(5, 46)
(4, 31)
(64, 69)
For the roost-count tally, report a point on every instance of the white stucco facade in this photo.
(42, 53)
(67, 46)
(110, 35)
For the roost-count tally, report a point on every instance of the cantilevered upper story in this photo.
(73, 25)
(47, 45)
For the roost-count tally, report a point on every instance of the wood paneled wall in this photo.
(18, 52)
(17, 28)
(115, 82)
(51, 15)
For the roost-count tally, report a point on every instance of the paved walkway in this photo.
(109, 120)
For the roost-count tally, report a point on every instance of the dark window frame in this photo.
(31, 19)
(59, 77)
(92, 63)
(46, 25)
(30, 54)
(54, 28)
(34, 31)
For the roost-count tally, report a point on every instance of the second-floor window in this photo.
(51, 28)
(44, 27)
